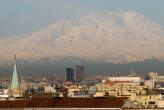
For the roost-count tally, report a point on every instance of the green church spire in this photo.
(15, 81)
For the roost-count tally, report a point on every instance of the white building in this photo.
(49, 89)
(124, 78)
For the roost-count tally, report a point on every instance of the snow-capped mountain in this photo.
(110, 37)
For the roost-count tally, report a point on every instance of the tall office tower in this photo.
(79, 74)
(15, 89)
(69, 74)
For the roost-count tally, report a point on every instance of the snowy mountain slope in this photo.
(111, 37)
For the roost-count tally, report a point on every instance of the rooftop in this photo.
(90, 102)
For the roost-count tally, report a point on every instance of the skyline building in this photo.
(15, 79)
(15, 89)
(79, 74)
(69, 74)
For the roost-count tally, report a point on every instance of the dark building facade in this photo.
(69, 74)
(79, 74)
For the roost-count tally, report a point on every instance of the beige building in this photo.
(136, 93)
(49, 89)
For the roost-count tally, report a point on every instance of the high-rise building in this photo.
(69, 74)
(15, 89)
(79, 74)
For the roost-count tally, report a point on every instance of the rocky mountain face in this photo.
(112, 37)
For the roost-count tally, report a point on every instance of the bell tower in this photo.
(15, 90)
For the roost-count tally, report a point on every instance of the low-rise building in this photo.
(49, 89)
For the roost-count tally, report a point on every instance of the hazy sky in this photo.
(24, 16)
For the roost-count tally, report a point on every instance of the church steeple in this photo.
(15, 79)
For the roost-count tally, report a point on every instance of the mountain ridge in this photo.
(48, 68)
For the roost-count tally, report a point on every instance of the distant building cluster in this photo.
(133, 91)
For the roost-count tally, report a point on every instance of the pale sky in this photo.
(24, 16)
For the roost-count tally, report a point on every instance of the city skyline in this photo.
(82, 54)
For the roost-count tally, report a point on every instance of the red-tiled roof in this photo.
(91, 102)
